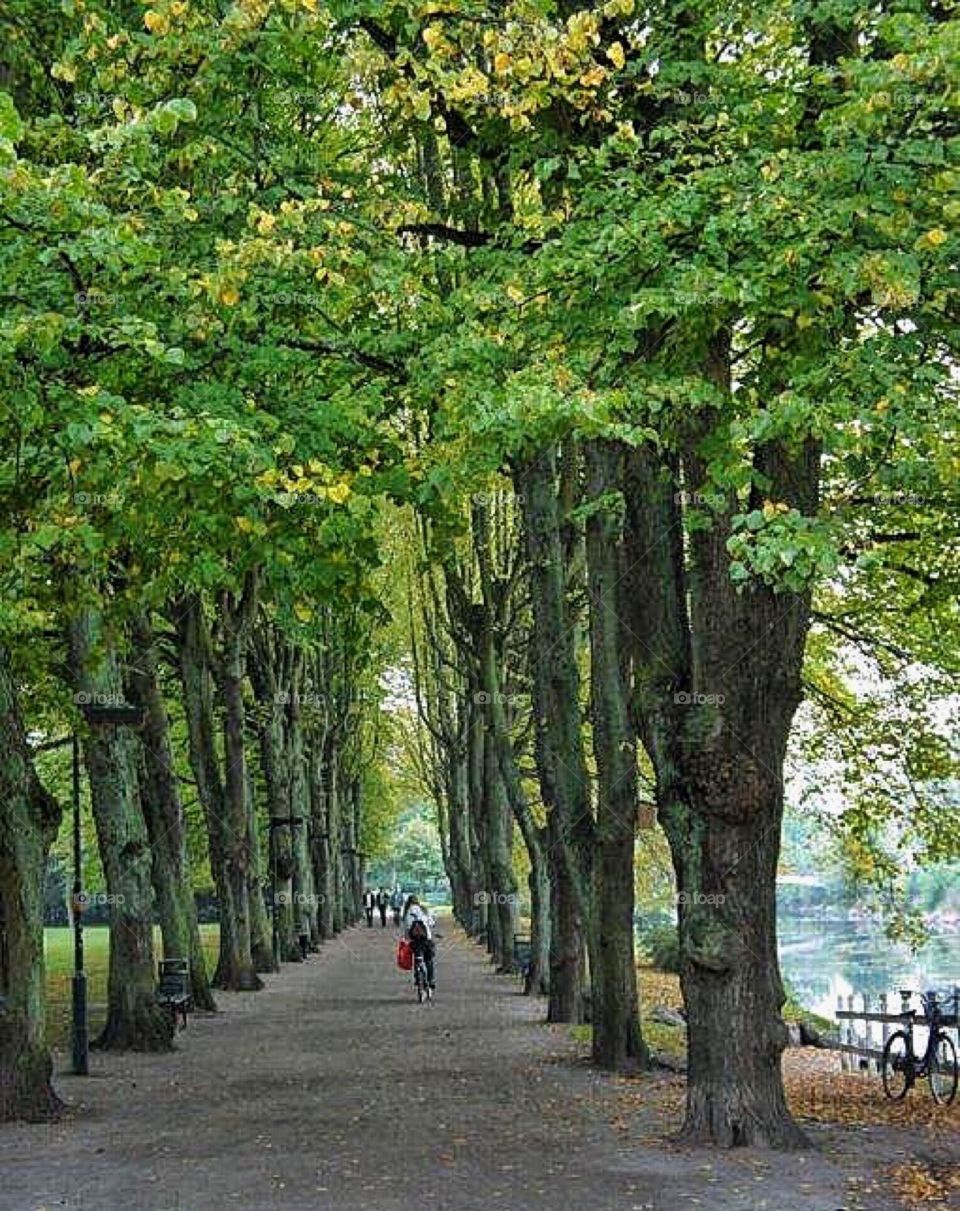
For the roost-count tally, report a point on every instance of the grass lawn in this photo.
(58, 949)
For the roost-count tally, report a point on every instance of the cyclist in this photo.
(418, 926)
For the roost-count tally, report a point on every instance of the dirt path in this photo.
(333, 1090)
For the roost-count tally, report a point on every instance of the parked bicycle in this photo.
(901, 1067)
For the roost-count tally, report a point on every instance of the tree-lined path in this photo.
(334, 1090)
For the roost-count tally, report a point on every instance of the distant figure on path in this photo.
(383, 903)
(396, 903)
(418, 926)
(369, 903)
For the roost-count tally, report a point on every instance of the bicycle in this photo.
(901, 1067)
(420, 980)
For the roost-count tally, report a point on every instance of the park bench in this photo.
(522, 955)
(173, 989)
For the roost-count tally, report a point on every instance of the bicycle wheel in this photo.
(897, 1066)
(943, 1074)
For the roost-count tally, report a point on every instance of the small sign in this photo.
(128, 713)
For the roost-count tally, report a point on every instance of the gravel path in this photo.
(333, 1090)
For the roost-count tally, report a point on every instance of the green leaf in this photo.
(11, 124)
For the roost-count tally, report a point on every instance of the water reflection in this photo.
(824, 958)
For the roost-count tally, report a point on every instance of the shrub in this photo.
(662, 946)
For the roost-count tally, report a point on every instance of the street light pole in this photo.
(79, 1040)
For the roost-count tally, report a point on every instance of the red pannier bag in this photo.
(404, 955)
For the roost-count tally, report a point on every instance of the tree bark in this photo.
(719, 682)
(235, 962)
(561, 765)
(270, 675)
(163, 813)
(134, 1019)
(617, 1041)
(29, 819)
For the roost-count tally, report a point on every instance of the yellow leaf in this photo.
(303, 612)
(616, 56)
(594, 77)
(932, 239)
(75, 464)
(156, 23)
(514, 293)
(266, 224)
(244, 524)
(229, 296)
(501, 63)
(339, 492)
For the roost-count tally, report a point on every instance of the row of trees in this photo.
(624, 331)
(186, 523)
(692, 320)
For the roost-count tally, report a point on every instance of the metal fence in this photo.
(863, 1031)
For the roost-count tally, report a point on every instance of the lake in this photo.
(824, 957)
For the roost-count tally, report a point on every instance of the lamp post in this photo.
(79, 1041)
(95, 714)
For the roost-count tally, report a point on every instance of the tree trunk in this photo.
(270, 675)
(502, 788)
(304, 890)
(561, 766)
(615, 1008)
(226, 834)
(475, 813)
(730, 972)
(719, 683)
(261, 940)
(320, 837)
(163, 813)
(29, 819)
(134, 1019)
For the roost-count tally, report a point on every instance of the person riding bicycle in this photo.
(418, 927)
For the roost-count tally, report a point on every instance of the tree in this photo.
(29, 817)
